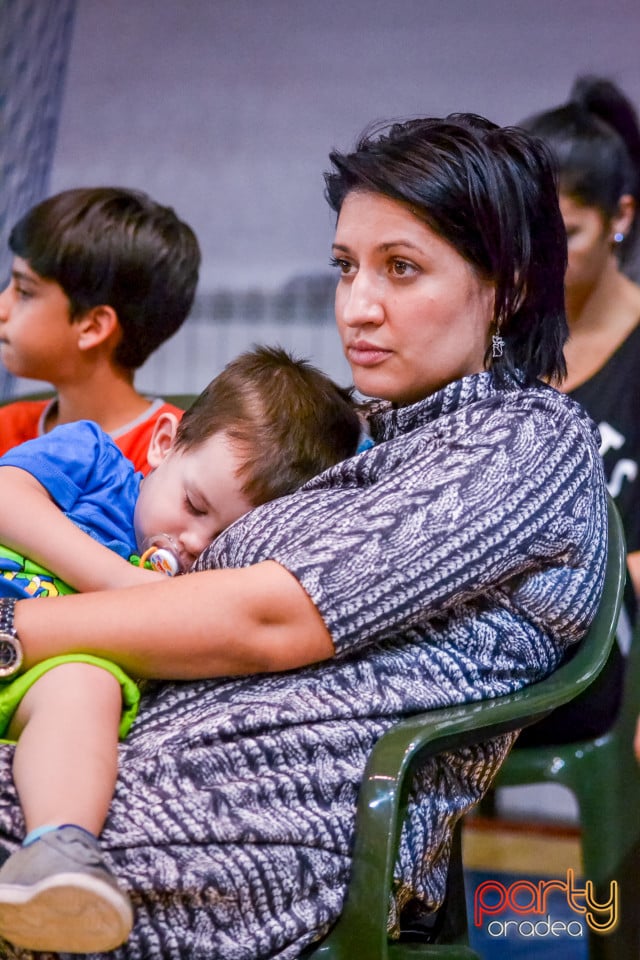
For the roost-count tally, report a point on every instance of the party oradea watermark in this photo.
(529, 906)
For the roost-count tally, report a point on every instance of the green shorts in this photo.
(12, 691)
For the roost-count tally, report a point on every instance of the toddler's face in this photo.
(191, 496)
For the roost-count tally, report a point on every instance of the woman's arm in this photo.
(633, 562)
(33, 525)
(208, 624)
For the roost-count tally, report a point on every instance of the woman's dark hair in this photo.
(115, 247)
(490, 192)
(595, 140)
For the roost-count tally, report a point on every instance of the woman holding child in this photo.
(457, 559)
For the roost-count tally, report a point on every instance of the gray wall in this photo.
(226, 109)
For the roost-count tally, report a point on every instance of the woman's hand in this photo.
(636, 741)
(633, 563)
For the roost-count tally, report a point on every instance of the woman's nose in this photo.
(4, 302)
(363, 303)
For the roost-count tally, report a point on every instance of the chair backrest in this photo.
(361, 930)
(182, 400)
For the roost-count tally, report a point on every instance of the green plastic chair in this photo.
(361, 931)
(604, 777)
(182, 400)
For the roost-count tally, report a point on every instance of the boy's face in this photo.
(191, 495)
(37, 338)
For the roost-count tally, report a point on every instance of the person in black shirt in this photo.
(595, 140)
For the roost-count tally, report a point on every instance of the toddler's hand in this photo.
(143, 574)
(131, 575)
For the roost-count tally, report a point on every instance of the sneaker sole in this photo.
(65, 913)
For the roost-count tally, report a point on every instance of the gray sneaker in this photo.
(57, 894)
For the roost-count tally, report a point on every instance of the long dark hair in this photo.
(490, 192)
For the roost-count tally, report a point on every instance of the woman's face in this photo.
(413, 315)
(589, 238)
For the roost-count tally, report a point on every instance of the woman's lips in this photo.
(366, 354)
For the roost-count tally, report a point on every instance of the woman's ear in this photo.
(96, 326)
(162, 438)
(623, 218)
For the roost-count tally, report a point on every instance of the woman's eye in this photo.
(402, 268)
(342, 265)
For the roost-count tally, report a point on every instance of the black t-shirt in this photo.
(612, 398)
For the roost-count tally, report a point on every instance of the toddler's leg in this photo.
(56, 892)
(66, 759)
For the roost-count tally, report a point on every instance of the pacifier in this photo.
(159, 553)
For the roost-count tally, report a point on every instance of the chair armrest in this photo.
(380, 802)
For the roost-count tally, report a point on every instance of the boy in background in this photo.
(101, 278)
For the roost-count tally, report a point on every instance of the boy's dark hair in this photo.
(115, 247)
(490, 192)
(290, 420)
(595, 141)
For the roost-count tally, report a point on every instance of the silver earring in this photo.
(497, 346)
(618, 237)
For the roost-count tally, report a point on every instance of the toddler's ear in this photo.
(162, 438)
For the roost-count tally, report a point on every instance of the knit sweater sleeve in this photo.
(501, 503)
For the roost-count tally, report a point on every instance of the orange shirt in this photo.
(24, 419)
